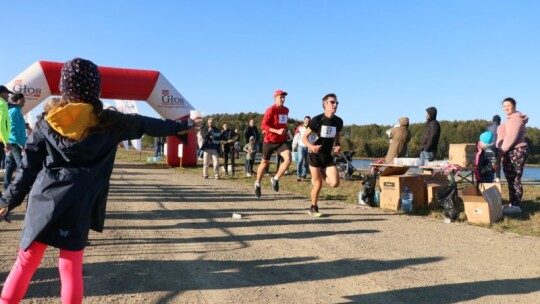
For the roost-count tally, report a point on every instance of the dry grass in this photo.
(527, 223)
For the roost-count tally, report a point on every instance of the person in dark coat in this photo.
(251, 130)
(66, 173)
(496, 122)
(430, 136)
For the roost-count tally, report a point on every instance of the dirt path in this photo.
(171, 238)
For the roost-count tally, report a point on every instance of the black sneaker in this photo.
(275, 184)
(314, 209)
(257, 191)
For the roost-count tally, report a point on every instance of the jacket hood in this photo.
(404, 121)
(432, 112)
(524, 118)
(72, 119)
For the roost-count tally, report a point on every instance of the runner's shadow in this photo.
(450, 293)
(241, 239)
(177, 277)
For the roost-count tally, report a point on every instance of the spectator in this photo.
(514, 150)
(4, 125)
(496, 122)
(17, 136)
(430, 137)
(302, 166)
(400, 137)
(159, 143)
(200, 142)
(211, 147)
(251, 152)
(486, 159)
(237, 144)
(229, 138)
(251, 130)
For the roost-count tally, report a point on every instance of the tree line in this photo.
(371, 141)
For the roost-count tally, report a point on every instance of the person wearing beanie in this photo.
(66, 172)
(495, 122)
(400, 137)
(512, 146)
(486, 159)
(430, 136)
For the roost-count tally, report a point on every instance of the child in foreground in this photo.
(65, 171)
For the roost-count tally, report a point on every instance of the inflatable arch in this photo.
(41, 80)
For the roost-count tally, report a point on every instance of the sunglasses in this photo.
(333, 102)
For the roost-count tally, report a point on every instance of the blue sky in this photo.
(384, 59)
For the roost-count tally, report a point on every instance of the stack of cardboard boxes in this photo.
(483, 203)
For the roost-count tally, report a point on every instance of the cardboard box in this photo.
(436, 178)
(462, 154)
(485, 186)
(392, 186)
(482, 206)
(431, 194)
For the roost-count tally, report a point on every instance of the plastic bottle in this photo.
(406, 200)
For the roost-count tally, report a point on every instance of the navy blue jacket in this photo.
(68, 180)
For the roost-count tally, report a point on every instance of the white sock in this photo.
(257, 184)
(276, 178)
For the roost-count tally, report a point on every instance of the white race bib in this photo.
(283, 118)
(328, 131)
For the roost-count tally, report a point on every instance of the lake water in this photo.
(530, 173)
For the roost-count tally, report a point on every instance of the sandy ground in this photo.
(171, 238)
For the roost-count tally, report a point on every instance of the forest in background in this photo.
(371, 141)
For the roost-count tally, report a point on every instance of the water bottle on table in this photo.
(406, 200)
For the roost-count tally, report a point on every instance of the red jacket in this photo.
(276, 118)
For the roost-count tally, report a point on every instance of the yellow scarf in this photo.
(72, 119)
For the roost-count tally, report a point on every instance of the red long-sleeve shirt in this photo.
(276, 118)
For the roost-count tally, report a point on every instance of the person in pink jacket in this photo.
(513, 148)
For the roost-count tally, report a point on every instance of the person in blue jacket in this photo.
(66, 173)
(17, 136)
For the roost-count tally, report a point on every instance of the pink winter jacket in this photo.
(511, 133)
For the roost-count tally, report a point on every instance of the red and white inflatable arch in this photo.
(41, 80)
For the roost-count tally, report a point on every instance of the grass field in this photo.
(527, 223)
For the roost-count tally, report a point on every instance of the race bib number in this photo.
(282, 118)
(328, 132)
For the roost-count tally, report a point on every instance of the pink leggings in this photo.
(69, 265)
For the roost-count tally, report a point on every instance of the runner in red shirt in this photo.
(274, 123)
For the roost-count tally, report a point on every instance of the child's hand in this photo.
(4, 213)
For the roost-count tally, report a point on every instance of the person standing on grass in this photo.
(327, 127)
(496, 122)
(4, 125)
(430, 137)
(251, 152)
(302, 167)
(66, 171)
(211, 146)
(274, 123)
(512, 146)
(17, 136)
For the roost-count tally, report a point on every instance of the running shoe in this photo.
(275, 184)
(258, 191)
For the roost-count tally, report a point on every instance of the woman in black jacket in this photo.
(66, 170)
